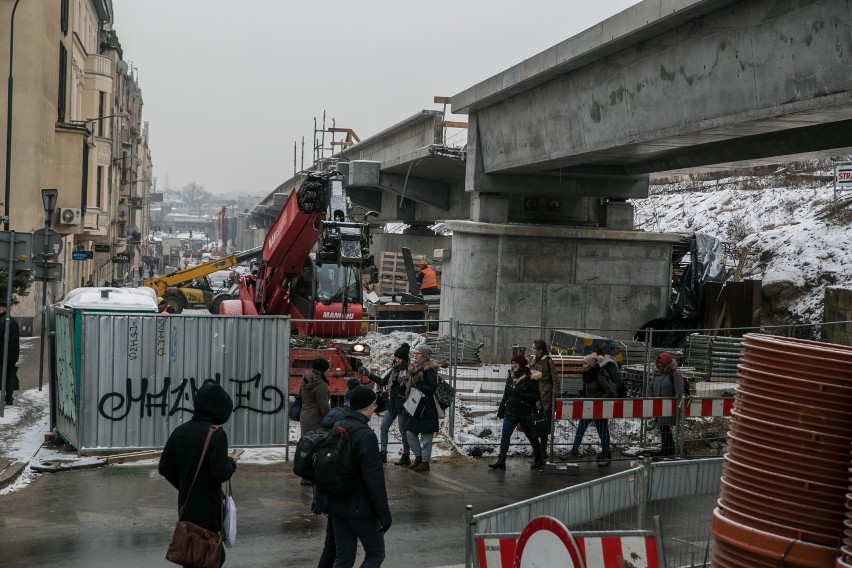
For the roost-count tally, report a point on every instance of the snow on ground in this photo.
(795, 247)
(22, 430)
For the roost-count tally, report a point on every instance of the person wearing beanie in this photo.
(397, 378)
(519, 398)
(596, 384)
(351, 383)
(666, 382)
(422, 425)
(543, 363)
(363, 514)
(315, 396)
(179, 460)
(427, 279)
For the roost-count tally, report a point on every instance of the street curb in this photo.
(10, 473)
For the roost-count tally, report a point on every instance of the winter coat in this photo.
(321, 499)
(370, 498)
(519, 396)
(14, 340)
(315, 404)
(397, 378)
(596, 383)
(426, 381)
(183, 449)
(665, 384)
(547, 386)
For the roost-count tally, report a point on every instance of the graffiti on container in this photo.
(178, 395)
(173, 345)
(133, 340)
(66, 389)
(161, 337)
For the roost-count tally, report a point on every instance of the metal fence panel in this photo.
(67, 394)
(140, 374)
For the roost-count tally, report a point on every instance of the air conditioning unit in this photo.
(69, 216)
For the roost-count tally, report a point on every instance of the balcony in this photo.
(99, 65)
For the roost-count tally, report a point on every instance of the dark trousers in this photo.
(602, 426)
(667, 448)
(509, 426)
(328, 550)
(348, 531)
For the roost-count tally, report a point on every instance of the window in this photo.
(101, 105)
(63, 72)
(63, 17)
(100, 190)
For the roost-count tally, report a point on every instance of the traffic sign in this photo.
(50, 271)
(121, 258)
(22, 249)
(546, 542)
(843, 176)
(54, 243)
(102, 248)
(81, 255)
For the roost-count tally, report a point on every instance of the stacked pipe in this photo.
(785, 476)
(845, 558)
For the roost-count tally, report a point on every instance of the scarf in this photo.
(415, 374)
(520, 375)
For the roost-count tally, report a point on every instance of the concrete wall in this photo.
(552, 277)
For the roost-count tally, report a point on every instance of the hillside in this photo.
(798, 234)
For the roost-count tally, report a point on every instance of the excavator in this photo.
(310, 270)
(190, 289)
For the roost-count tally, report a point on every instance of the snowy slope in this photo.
(798, 235)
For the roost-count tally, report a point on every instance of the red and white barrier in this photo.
(595, 408)
(597, 552)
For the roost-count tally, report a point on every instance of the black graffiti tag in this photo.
(117, 406)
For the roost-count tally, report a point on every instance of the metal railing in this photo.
(681, 494)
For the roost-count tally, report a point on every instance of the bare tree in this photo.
(195, 197)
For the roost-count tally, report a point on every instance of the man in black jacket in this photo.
(14, 351)
(180, 458)
(362, 514)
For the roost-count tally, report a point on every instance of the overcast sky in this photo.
(229, 85)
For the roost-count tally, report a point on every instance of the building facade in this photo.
(75, 125)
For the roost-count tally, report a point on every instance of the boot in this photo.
(404, 460)
(417, 461)
(384, 456)
(422, 467)
(543, 453)
(500, 463)
(604, 460)
(537, 464)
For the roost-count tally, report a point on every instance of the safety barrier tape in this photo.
(595, 408)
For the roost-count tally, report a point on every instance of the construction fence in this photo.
(708, 361)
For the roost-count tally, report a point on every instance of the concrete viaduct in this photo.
(542, 232)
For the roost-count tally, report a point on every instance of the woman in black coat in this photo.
(517, 406)
(202, 506)
(422, 425)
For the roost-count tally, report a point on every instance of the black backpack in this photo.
(620, 387)
(306, 451)
(335, 466)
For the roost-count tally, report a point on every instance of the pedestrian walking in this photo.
(362, 515)
(14, 354)
(596, 384)
(151, 271)
(180, 460)
(423, 423)
(667, 382)
(397, 378)
(319, 505)
(543, 372)
(517, 405)
(141, 270)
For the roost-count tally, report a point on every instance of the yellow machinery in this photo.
(190, 288)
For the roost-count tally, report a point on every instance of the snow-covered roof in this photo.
(142, 299)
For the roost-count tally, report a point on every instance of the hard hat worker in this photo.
(427, 279)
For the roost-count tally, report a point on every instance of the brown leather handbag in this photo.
(193, 546)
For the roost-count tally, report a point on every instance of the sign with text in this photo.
(81, 255)
(843, 176)
(121, 258)
(49, 271)
(102, 248)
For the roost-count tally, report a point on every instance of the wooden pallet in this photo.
(568, 366)
(392, 274)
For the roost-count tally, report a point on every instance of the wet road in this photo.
(124, 515)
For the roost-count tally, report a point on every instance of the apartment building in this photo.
(76, 125)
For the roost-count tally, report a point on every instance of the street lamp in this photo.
(48, 200)
(9, 92)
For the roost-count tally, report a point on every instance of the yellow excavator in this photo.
(190, 288)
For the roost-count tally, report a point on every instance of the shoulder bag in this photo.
(193, 546)
(539, 422)
(229, 525)
(445, 394)
(296, 408)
